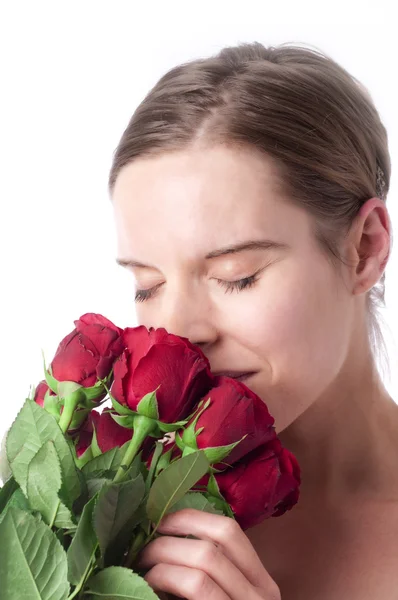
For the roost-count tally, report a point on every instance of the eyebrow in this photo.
(233, 249)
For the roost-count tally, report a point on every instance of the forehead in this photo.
(193, 201)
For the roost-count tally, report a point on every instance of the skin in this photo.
(301, 327)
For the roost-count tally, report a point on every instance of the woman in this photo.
(249, 198)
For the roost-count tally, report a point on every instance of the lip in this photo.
(239, 375)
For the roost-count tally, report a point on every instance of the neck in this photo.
(347, 441)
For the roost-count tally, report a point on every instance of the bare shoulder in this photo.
(346, 554)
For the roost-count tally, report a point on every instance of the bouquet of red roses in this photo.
(85, 490)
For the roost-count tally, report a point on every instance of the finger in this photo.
(184, 582)
(224, 532)
(200, 555)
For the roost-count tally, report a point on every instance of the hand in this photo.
(221, 565)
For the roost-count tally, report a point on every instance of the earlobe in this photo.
(372, 244)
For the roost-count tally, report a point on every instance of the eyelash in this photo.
(238, 285)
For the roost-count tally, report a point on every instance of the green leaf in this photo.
(195, 500)
(32, 561)
(7, 491)
(154, 462)
(119, 583)
(148, 405)
(108, 461)
(18, 500)
(64, 518)
(116, 504)
(79, 503)
(174, 482)
(44, 482)
(5, 471)
(95, 485)
(32, 428)
(82, 549)
(221, 505)
(115, 552)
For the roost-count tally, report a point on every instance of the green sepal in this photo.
(84, 458)
(121, 409)
(164, 461)
(51, 381)
(52, 405)
(126, 421)
(96, 450)
(220, 504)
(148, 406)
(95, 391)
(188, 450)
(67, 388)
(171, 427)
(189, 436)
(213, 489)
(218, 453)
(79, 416)
(178, 441)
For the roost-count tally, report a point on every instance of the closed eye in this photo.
(238, 285)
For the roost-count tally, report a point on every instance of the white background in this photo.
(71, 75)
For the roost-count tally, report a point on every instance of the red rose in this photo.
(85, 434)
(108, 433)
(290, 469)
(41, 391)
(234, 411)
(154, 358)
(263, 484)
(88, 352)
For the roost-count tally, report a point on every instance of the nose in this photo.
(199, 331)
(188, 315)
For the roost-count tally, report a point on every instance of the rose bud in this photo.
(264, 483)
(232, 412)
(87, 354)
(155, 360)
(41, 391)
(48, 400)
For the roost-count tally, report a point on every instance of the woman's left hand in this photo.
(221, 565)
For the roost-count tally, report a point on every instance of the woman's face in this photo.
(291, 325)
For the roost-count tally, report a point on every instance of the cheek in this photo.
(297, 323)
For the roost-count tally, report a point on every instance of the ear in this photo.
(370, 245)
